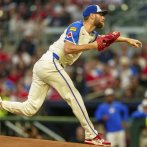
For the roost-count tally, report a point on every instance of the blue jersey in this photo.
(117, 112)
(75, 34)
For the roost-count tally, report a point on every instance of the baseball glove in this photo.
(106, 40)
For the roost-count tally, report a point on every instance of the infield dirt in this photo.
(6, 141)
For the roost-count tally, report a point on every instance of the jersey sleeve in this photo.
(138, 114)
(72, 33)
(99, 113)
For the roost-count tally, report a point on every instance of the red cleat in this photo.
(98, 141)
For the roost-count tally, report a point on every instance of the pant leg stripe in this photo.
(74, 96)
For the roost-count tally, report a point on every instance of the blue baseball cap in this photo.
(93, 9)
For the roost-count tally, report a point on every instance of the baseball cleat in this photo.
(98, 141)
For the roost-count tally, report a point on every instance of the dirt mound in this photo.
(6, 141)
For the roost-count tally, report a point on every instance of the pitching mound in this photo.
(6, 141)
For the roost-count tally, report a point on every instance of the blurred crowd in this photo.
(31, 17)
(124, 69)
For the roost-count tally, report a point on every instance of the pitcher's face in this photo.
(99, 20)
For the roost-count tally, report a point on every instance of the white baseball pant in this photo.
(117, 138)
(47, 73)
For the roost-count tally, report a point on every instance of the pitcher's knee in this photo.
(30, 113)
(69, 97)
(29, 109)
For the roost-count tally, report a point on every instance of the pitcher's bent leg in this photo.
(63, 84)
(36, 97)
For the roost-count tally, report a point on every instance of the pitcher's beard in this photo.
(99, 25)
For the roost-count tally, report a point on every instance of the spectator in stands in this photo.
(16, 24)
(12, 9)
(137, 89)
(20, 57)
(141, 113)
(128, 95)
(134, 91)
(5, 3)
(39, 26)
(106, 78)
(4, 82)
(21, 67)
(144, 51)
(39, 53)
(21, 92)
(53, 95)
(14, 75)
(31, 131)
(39, 12)
(135, 63)
(33, 61)
(143, 76)
(4, 57)
(113, 68)
(145, 94)
(23, 10)
(79, 135)
(106, 55)
(114, 115)
(26, 45)
(116, 3)
(61, 18)
(4, 24)
(49, 8)
(92, 72)
(125, 51)
(77, 14)
(28, 23)
(27, 79)
(78, 80)
(118, 91)
(125, 71)
(139, 107)
(71, 8)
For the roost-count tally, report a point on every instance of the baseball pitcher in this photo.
(49, 71)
